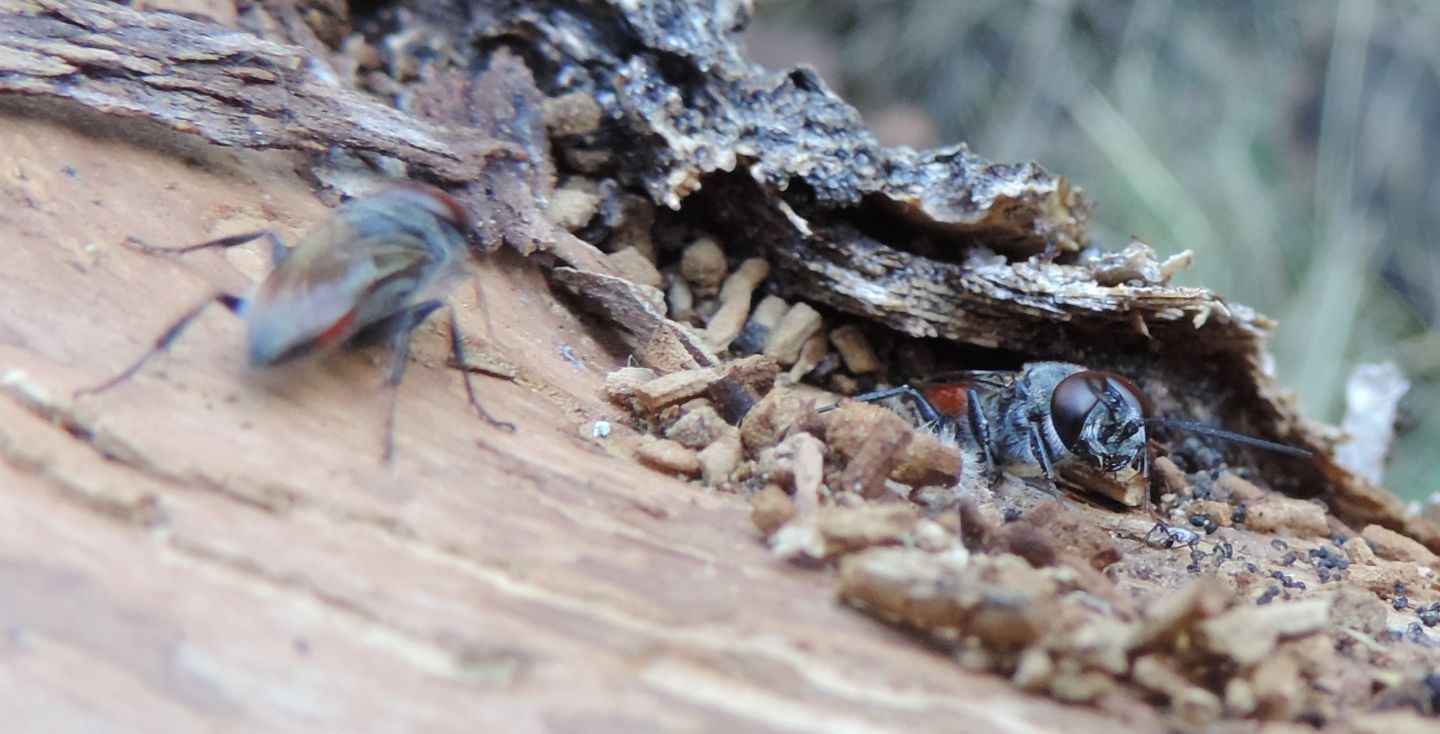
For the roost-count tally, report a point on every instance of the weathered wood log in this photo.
(207, 548)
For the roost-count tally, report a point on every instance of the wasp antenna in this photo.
(972, 377)
(1221, 433)
(233, 240)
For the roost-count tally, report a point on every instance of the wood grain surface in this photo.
(209, 549)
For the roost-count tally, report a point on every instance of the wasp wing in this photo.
(332, 286)
(981, 379)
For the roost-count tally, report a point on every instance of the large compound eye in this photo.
(1072, 401)
(1129, 392)
(1077, 395)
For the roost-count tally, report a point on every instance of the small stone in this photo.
(680, 299)
(1174, 614)
(1359, 552)
(756, 331)
(703, 264)
(751, 339)
(797, 464)
(720, 458)
(633, 266)
(849, 529)
(573, 206)
(673, 347)
(1217, 513)
(798, 540)
(1278, 687)
(1035, 670)
(1136, 263)
(366, 56)
(1175, 263)
(770, 508)
(1237, 488)
(1197, 707)
(756, 372)
(1383, 575)
(1275, 514)
(1169, 476)
(1086, 687)
(621, 384)
(1393, 546)
(807, 465)
(739, 288)
(872, 441)
(668, 456)
(927, 460)
(751, 374)
(779, 412)
(675, 387)
(1248, 634)
(932, 537)
(631, 218)
(855, 349)
(571, 114)
(1239, 697)
(698, 428)
(769, 311)
(786, 339)
(811, 353)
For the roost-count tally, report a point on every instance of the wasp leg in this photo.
(1145, 478)
(397, 329)
(1164, 541)
(457, 352)
(980, 430)
(1037, 447)
(163, 343)
(278, 250)
(928, 413)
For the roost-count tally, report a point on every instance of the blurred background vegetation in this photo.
(1289, 143)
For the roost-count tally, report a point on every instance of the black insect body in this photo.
(369, 275)
(1044, 416)
(1050, 416)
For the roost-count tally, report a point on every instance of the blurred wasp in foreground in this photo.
(1051, 417)
(370, 274)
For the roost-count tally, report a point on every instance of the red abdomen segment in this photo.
(949, 399)
(335, 332)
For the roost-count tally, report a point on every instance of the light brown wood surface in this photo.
(209, 549)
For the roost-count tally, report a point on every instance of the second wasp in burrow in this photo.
(1055, 420)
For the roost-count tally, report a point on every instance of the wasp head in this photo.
(1100, 417)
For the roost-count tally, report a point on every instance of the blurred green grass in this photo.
(1291, 144)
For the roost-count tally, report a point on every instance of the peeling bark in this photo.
(227, 86)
